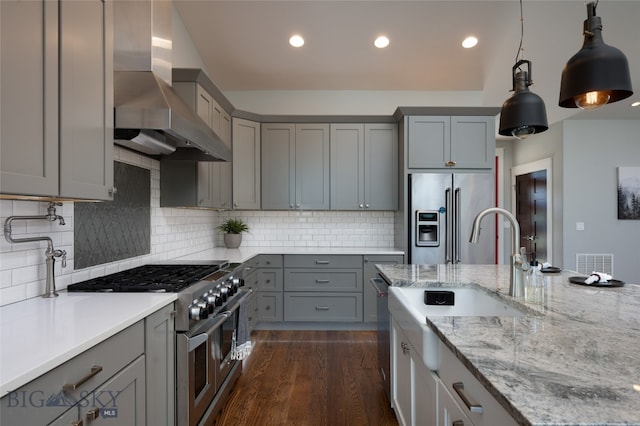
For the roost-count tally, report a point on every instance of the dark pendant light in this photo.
(598, 74)
(524, 113)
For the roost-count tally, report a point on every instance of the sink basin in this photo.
(406, 305)
(469, 302)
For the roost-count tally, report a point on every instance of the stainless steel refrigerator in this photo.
(442, 209)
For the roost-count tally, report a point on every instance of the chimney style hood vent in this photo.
(150, 116)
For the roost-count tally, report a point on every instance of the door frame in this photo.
(535, 166)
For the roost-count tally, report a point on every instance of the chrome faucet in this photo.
(50, 253)
(518, 262)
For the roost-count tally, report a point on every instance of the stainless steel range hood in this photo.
(150, 116)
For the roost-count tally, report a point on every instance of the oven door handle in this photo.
(199, 335)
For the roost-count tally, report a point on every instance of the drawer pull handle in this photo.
(457, 423)
(77, 423)
(70, 387)
(322, 262)
(323, 281)
(474, 408)
(322, 308)
(93, 414)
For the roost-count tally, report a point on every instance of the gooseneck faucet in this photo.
(50, 253)
(518, 263)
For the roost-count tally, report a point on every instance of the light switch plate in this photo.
(579, 226)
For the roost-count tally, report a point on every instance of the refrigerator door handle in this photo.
(457, 231)
(448, 228)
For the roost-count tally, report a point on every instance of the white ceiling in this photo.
(244, 44)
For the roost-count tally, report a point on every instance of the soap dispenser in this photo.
(534, 284)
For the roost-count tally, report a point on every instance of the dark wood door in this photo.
(531, 212)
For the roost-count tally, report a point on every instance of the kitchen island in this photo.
(573, 360)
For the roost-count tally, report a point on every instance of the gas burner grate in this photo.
(147, 278)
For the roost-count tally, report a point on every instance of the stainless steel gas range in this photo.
(208, 324)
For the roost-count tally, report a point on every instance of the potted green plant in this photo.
(233, 229)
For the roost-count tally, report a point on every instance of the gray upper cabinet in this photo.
(205, 184)
(460, 142)
(57, 99)
(364, 166)
(295, 166)
(246, 164)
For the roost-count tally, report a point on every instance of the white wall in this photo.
(592, 152)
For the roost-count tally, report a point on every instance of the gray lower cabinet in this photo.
(295, 166)
(57, 100)
(323, 288)
(369, 293)
(87, 382)
(160, 335)
(364, 166)
(270, 286)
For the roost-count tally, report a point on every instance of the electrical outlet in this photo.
(579, 226)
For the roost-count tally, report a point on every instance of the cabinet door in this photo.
(121, 400)
(220, 184)
(473, 142)
(160, 366)
(400, 375)
(204, 106)
(381, 167)
(246, 164)
(270, 306)
(369, 271)
(29, 110)
(312, 166)
(278, 166)
(86, 99)
(429, 142)
(424, 395)
(347, 166)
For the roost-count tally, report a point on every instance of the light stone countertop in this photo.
(37, 335)
(575, 363)
(243, 254)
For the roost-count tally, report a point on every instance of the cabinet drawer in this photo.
(320, 280)
(270, 261)
(35, 402)
(345, 307)
(322, 261)
(453, 371)
(270, 279)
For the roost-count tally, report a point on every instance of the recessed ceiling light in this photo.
(296, 40)
(635, 104)
(469, 42)
(381, 42)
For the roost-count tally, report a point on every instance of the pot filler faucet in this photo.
(50, 253)
(518, 263)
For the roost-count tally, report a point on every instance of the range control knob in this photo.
(212, 300)
(224, 292)
(197, 312)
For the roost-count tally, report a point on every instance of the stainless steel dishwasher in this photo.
(383, 326)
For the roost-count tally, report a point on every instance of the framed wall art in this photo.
(629, 193)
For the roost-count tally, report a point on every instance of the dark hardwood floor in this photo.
(309, 378)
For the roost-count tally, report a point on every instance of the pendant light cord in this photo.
(521, 34)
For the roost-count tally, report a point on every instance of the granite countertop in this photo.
(37, 335)
(575, 362)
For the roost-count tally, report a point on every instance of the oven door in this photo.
(228, 336)
(197, 363)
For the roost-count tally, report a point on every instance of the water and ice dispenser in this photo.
(427, 228)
